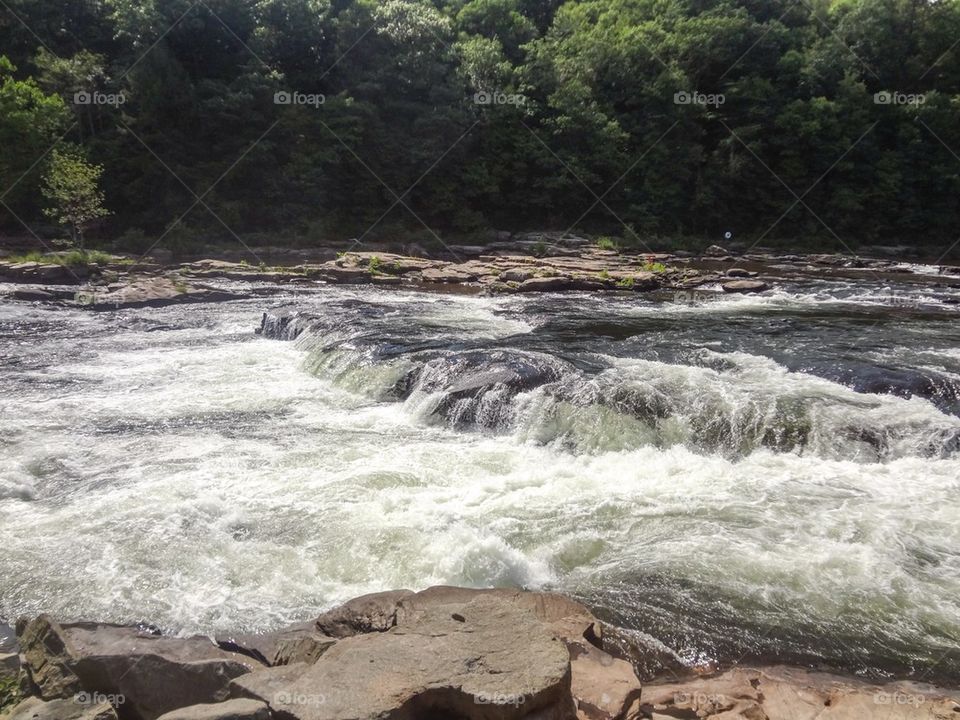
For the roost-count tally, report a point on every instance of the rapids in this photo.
(772, 477)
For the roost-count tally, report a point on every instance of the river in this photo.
(769, 477)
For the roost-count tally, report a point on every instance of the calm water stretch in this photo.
(772, 477)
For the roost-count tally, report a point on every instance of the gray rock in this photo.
(297, 644)
(557, 284)
(155, 674)
(59, 273)
(9, 665)
(740, 273)
(376, 612)
(516, 275)
(744, 286)
(8, 639)
(238, 709)
(467, 250)
(283, 324)
(68, 709)
(716, 251)
(32, 294)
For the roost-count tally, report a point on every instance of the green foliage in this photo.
(597, 78)
(72, 186)
(9, 693)
(74, 258)
(375, 265)
(626, 283)
(30, 121)
(607, 243)
(650, 266)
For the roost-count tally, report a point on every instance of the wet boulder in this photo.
(283, 324)
(476, 387)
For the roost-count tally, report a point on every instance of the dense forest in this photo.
(830, 121)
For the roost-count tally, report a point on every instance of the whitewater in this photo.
(768, 477)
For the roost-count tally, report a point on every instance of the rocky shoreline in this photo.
(541, 263)
(445, 652)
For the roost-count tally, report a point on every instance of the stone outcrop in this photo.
(501, 269)
(153, 673)
(149, 292)
(445, 652)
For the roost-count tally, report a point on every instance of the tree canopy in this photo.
(831, 120)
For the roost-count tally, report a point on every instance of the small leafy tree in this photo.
(72, 185)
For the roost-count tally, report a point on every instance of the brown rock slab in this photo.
(487, 658)
(604, 687)
(744, 286)
(334, 272)
(446, 275)
(797, 694)
(388, 262)
(239, 709)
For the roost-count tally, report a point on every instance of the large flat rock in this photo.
(448, 653)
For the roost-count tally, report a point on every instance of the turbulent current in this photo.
(769, 477)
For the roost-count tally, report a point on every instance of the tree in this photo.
(30, 122)
(73, 186)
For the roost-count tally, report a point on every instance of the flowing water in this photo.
(766, 477)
